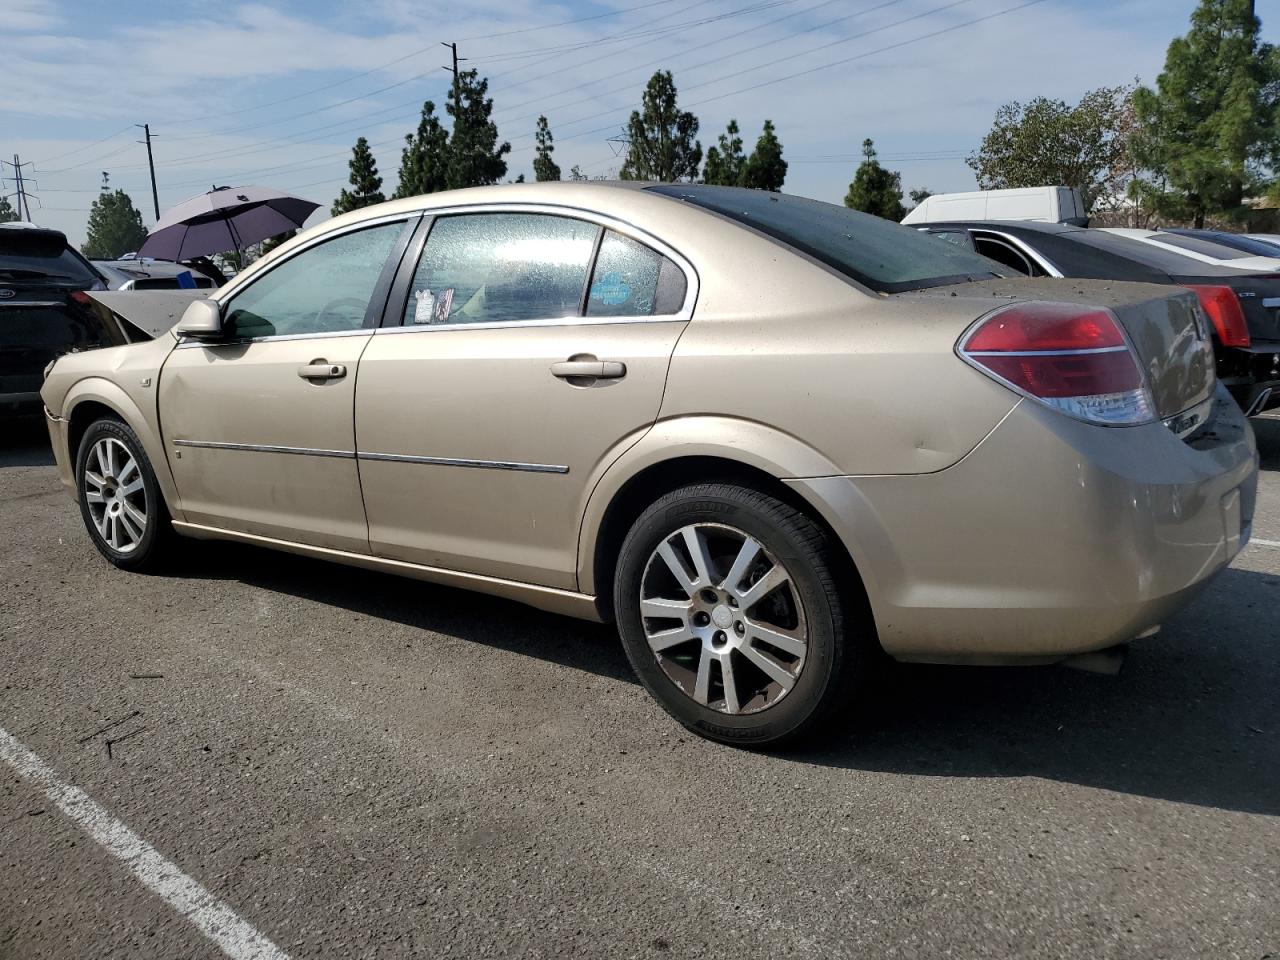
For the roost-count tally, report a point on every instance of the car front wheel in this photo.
(120, 500)
(731, 613)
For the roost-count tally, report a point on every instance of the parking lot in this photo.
(363, 766)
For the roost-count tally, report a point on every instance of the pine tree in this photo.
(544, 168)
(7, 213)
(366, 184)
(115, 225)
(662, 137)
(1213, 122)
(725, 163)
(874, 189)
(765, 169)
(425, 159)
(475, 156)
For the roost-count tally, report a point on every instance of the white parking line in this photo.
(211, 916)
(1264, 543)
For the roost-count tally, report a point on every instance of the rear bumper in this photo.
(1052, 537)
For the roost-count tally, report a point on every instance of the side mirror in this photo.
(202, 320)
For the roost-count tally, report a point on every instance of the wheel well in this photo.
(82, 417)
(651, 483)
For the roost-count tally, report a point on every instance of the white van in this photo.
(1050, 204)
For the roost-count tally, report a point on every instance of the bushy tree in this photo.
(1212, 124)
(366, 185)
(920, 196)
(544, 168)
(765, 169)
(663, 144)
(725, 163)
(475, 155)
(575, 173)
(1049, 143)
(115, 225)
(7, 213)
(272, 242)
(424, 161)
(874, 189)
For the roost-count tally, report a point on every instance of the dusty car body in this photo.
(719, 431)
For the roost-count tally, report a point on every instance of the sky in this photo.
(275, 93)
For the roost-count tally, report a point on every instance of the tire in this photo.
(109, 464)
(726, 618)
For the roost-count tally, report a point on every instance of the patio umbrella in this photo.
(225, 218)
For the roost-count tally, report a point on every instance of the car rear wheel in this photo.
(731, 614)
(120, 500)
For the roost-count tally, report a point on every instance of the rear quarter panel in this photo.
(869, 384)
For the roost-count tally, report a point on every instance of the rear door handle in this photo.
(589, 369)
(322, 370)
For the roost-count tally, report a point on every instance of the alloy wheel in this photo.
(723, 618)
(115, 494)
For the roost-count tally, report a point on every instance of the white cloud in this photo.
(23, 16)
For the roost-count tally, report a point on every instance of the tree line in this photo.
(662, 145)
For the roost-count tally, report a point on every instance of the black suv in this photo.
(44, 311)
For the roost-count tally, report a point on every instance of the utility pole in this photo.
(155, 196)
(454, 69)
(22, 193)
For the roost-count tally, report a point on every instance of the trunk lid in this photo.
(1165, 325)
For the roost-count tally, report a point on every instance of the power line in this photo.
(92, 160)
(759, 66)
(409, 56)
(826, 66)
(87, 146)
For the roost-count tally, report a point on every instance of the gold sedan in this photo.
(770, 437)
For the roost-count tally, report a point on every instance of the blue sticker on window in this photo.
(611, 289)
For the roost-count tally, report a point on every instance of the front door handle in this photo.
(322, 370)
(589, 369)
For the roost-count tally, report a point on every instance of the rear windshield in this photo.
(1196, 245)
(1159, 258)
(880, 254)
(1254, 248)
(40, 256)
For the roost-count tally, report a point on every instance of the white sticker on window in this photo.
(424, 307)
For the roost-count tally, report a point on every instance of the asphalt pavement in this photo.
(264, 756)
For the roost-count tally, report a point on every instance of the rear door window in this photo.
(501, 268)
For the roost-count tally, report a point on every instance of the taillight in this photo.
(1223, 307)
(1072, 358)
(80, 297)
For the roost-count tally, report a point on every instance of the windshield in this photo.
(880, 254)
